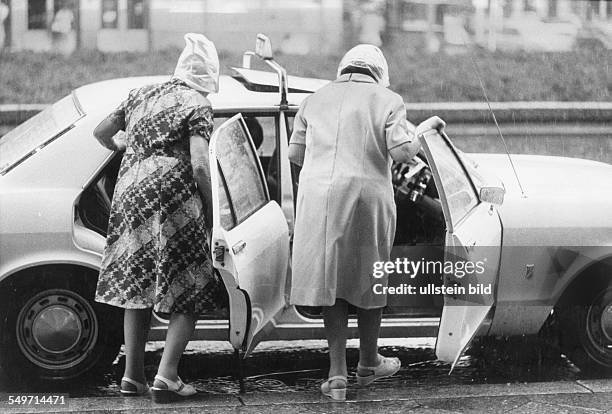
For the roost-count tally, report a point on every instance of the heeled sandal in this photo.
(338, 394)
(174, 391)
(132, 388)
(386, 368)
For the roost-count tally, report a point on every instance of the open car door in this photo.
(250, 238)
(472, 245)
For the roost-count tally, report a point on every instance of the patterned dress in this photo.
(157, 254)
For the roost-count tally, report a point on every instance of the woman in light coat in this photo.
(345, 137)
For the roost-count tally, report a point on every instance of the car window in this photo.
(243, 190)
(456, 185)
(268, 131)
(38, 131)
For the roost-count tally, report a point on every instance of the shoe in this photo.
(338, 394)
(386, 368)
(131, 388)
(173, 390)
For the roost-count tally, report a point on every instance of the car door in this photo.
(472, 246)
(250, 236)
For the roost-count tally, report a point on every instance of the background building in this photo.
(308, 26)
(139, 25)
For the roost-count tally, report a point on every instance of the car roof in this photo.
(235, 94)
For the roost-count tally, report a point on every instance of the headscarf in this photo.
(367, 57)
(198, 65)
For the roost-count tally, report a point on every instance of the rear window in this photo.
(38, 131)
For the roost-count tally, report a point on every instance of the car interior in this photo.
(420, 225)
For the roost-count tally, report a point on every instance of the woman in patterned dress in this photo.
(157, 254)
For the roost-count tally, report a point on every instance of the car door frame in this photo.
(240, 309)
(478, 312)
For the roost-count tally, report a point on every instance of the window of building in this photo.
(507, 8)
(441, 10)
(37, 14)
(136, 14)
(110, 14)
(552, 8)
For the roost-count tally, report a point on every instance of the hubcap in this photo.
(57, 329)
(606, 322)
(598, 335)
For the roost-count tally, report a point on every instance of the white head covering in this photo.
(367, 57)
(198, 65)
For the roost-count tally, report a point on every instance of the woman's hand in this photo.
(106, 134)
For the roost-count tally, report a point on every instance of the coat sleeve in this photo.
(402, 143)
(297, 142)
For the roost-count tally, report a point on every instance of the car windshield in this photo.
(457, 187)
(38, 131)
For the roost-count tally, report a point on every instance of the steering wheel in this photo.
(410, 179)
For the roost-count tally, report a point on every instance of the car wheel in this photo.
(586, 333)
(54, 330)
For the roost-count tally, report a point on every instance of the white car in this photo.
(544, 253)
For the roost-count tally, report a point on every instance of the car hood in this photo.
(547, 175)
(566, 201)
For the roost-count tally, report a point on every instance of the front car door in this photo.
(472, 245)
(250, 235)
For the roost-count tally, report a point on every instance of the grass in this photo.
(584, 75)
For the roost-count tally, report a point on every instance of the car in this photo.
(540, 241)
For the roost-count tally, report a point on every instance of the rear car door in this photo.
(250, 235)
(472, 246)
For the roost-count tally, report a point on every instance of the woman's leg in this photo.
(369, 327)
(136, 324)
(178, 335)
(336, 320)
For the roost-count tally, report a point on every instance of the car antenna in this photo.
(484, 92)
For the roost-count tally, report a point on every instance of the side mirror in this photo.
(493, 195)
(263, 47)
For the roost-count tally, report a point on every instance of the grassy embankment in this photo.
(575, 76)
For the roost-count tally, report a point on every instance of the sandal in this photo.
(386, 368)
(338, 394)
(132, 388)
(174, 390)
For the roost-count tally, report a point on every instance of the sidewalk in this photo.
(582, 396)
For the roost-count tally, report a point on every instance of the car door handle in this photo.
(238, 247)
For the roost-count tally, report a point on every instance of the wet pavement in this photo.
(509, 375)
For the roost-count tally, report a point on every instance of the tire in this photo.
(585, 332)
(51, 328)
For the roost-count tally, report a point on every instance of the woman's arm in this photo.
(106, 132)
(201, 172)
(296, 153)
(297, 142)
(402, 143)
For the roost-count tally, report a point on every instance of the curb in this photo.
(371, 397)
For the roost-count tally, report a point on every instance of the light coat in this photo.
(345, 219)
